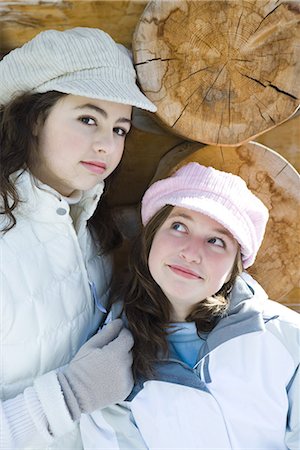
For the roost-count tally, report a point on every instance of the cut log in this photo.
(21, 20)
(285, 139)
(277, 184)
(220, 72)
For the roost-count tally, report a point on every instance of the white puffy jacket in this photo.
(48, 310)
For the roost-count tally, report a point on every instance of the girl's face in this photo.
(191, 258)
(81, 143)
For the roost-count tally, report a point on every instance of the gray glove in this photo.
(100, 373)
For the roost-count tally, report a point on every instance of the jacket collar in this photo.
(245, 315)
(42, 202)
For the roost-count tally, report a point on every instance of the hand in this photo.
(100, 373)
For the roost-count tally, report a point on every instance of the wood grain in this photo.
(21, 20)
(220, 72)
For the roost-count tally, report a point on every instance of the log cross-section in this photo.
(220, 72)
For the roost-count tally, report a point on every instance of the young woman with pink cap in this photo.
(216, 363)
(65, 110)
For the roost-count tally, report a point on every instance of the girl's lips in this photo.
(184, 272)
(94, 166)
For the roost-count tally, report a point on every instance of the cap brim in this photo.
(102, 90)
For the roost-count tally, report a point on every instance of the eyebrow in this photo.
(102, 112)
(224, 232)
(185, 216)
(216, 230)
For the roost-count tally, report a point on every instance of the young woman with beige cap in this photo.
(65, 110)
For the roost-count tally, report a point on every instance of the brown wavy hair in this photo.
(148, 310)
(18, 148)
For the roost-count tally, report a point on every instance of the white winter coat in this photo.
(48, 311)
(242, 393)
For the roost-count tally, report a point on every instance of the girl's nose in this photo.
(191, 252)
(104, 144)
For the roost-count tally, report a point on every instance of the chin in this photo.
(87, 186)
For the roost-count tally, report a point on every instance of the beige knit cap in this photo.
(79, 61)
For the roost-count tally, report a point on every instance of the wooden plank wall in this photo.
(20, 20)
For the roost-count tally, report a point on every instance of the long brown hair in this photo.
(148, 310)
(18, 120)
(18, 147)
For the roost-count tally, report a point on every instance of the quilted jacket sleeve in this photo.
(38, 415)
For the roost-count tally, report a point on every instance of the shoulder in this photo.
(23, 182)
(283, 313)
(284, 324)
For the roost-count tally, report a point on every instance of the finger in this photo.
(106, 334)
(124, 342)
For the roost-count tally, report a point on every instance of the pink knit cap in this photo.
(220, 195)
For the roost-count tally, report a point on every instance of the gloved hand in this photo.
(100, 373)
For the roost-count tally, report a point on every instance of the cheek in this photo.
(119, 151)
(218, 277)
(72, 140)
(120, 156)
(152, 264)
(225, 268)
(228, 276)
(154, 258)
(54, 141)
(116, 156)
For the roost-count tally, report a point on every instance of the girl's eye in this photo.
(177, 226)
(87, 120)
(120, 131)
(217, 241)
